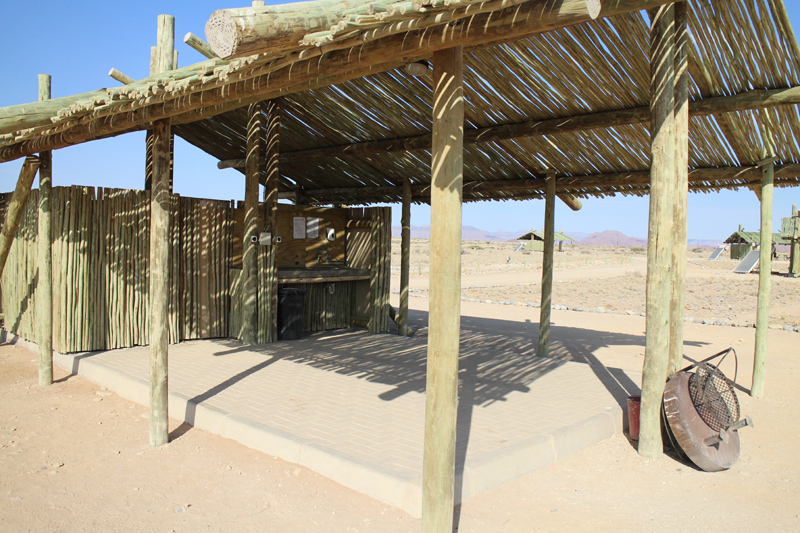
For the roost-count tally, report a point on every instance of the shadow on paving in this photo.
(497, 357)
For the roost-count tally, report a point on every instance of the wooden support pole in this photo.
(547, 266)
(200, 45)
(438, 462)
(255, 162)
(764, 283)
(159, 284)
(44, 290)
(271, 205)
(405, 258)
(162, 58)
(659, 239)
(794, 250)
(16, 206)
(679, 233)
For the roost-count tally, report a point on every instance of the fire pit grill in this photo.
(713, 397)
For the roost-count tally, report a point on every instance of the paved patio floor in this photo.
(351, 406)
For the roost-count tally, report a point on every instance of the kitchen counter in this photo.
(321, 274)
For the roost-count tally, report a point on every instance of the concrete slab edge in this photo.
(478, 475)
(494, 469)
(384, 485)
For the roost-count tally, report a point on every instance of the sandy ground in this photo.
(74, 457)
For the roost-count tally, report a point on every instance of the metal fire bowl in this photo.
(691, 431)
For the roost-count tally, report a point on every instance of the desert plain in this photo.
(75, 457)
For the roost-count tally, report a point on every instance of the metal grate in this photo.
(713, 397)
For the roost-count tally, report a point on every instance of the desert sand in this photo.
(75, 457)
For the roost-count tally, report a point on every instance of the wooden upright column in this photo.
(764, 282)
(160, 187)
(679, 233)
(659, 234)
(271, 222)
(44, 291)
(253, 165)
(547, 265)
(794, 247)
(405, 259)
(159, 284)
(162, 58)
(438, 463)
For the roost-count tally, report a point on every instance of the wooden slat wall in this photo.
(380, 271)
(101, 242)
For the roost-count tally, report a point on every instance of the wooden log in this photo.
(662, 103)
(570, 201)
(764, 284)
(249, 30)
(255, 161)
(200, 45)
(405, 258)
(161, 60)
(438, 464)
(794, 250)
(273, 111)
(44, 291)
(33, 114)
(537, 128)
(547, 267)
(159, 289)
(16, 207)
(120, 77)
(679, 233)
(339, 66)
(231, 163)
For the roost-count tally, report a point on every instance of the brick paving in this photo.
(360, 399)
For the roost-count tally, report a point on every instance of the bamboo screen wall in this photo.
(101, 249)
(101, 242)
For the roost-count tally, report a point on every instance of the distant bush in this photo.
(638, 250)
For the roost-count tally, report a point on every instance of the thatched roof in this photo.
(574, 100)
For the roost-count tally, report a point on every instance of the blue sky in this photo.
(78, 42)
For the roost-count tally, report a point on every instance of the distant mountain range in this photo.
(603, 238)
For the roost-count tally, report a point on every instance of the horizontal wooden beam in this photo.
(231, 163)
(306, 70)
(606, 119)
(573, 203)
(701, 178)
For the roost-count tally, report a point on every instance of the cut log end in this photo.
(221, 33)
(593, 7)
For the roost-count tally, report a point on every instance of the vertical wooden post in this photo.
(659, 239)
(16, 206)
(162, 58)
(438, 463)
(271, 204)
(160, 187)
(44, 291)
(253, 164)
(764, 286)
(794, 249)
(679, 233)
(159, 284)
(547, 265)
(405, 258)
